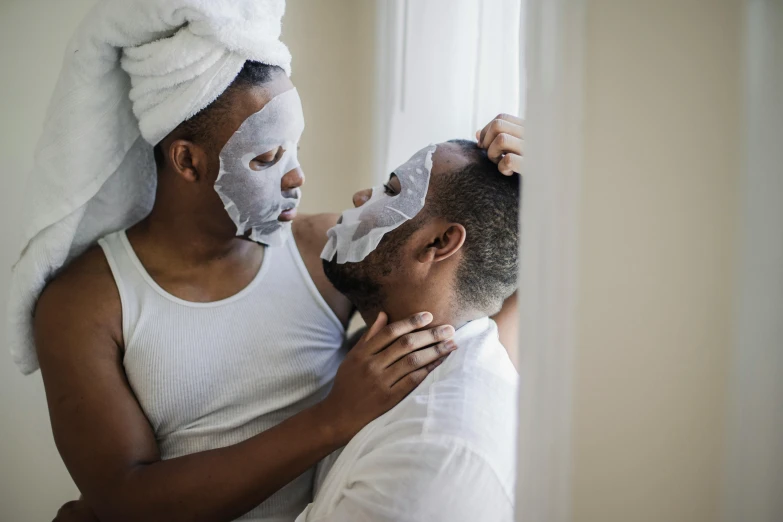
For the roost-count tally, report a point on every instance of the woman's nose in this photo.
(361, 197)
(293, 179)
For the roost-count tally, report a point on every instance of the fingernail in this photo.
(446, 331)
(425, 317)
(451, 345)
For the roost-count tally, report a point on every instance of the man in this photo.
(446, 452)
(187, 358)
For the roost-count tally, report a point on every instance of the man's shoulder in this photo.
(474, 402)
(310, 230)
(83, 292)
(427, 477)
(478, 380)
(446, 452)
(479, 368)
(468, 402)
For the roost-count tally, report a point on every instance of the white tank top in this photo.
(210, 375)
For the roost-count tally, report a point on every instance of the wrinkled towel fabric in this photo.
(134, 70)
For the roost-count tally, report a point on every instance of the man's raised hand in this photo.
(503, 139)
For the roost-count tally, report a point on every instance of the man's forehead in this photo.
(447, 158)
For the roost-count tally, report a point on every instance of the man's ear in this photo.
(187, 160)
(448, 242)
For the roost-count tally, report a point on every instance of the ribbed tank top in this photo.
(210, 375)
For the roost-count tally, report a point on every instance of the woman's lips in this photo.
(287, 215)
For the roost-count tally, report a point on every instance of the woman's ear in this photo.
(187, 160)
(447, 243)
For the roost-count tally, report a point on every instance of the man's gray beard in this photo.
(352, 281)
(361, 282)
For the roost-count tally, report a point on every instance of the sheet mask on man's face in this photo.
(361, 229)
(254, 198)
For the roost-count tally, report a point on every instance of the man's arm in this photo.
(110, 449)
(419, 479)
(508, 328)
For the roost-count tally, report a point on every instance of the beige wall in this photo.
(33, 34)
(662, 109)
(332, 47)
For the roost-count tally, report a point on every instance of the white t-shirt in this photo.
(445, 453)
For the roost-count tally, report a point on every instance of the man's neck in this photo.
(442, 309)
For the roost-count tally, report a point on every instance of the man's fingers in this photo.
(419, 360)
(409, 382)
(412, 342)
(503, 123)
(391, 332)
(510, 164)
(504, 144)
(431, 367)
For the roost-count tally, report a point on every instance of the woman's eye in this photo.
(265, 160)
(389, 190)
(258, 164)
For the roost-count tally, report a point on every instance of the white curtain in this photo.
(444, 69)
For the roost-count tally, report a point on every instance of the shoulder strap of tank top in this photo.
(301, 269)
(118, 263)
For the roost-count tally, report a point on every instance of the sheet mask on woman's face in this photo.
(254, 198)
(361, 229)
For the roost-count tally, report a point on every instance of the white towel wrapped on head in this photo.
(134, 70)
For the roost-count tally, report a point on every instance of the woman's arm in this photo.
(110, 449)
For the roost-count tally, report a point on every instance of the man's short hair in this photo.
(486, 203)
(198, 128)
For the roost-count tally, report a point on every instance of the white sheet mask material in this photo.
(361, 229)
(254, 198)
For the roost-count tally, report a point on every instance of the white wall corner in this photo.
(554, 36)
(753, 480)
